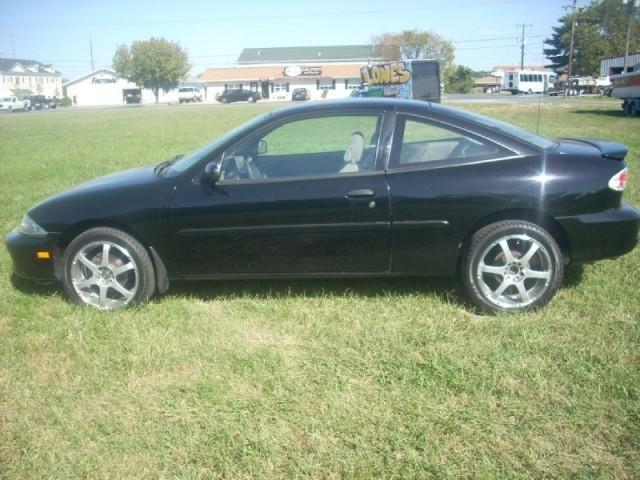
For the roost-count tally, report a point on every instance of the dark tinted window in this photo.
(423, 142)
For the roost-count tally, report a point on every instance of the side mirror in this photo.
(262, 147)
(211, 173)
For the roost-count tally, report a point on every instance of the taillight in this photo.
(619, 180)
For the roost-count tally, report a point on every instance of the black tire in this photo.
(124, 251)
(633, 109)
(520, 283)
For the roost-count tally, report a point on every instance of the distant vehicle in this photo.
(189, 94)
(627, 87)
(411, 79)
(528, 81)
(13, 104)
(300, 94)
(39, 102)
(238, 95)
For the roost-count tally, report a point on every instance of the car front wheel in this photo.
(512, 266)
(107, 269)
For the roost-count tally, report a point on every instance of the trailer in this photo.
(626, 87)
(412, 79)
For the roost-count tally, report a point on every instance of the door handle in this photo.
(360, 193)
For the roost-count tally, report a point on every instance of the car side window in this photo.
(423, 142)
(320, 146)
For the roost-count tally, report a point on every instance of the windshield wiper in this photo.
(163, 166)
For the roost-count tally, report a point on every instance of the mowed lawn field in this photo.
(273, 379)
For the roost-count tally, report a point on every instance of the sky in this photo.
(484, 33)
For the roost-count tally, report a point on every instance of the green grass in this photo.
(362, 378)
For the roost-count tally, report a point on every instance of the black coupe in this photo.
(342, 189)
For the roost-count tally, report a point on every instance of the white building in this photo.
(326, 72)
(29, 77)
(103, 87)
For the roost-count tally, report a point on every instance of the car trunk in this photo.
(612, 150)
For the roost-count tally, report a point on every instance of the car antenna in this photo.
(541, 95)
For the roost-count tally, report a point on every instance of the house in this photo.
(29, 77)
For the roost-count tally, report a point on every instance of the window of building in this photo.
(325, 84)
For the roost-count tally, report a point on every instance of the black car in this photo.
(342, 189)
(300, 94)
(238, 95)
(40, 102)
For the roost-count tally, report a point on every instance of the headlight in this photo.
(31, 228)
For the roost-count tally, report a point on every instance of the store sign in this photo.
(300, 71)
(393, 73)
(103, 80)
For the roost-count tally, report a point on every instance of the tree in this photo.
(600, 31)
(155, 63)
(461, 80)
(416, 44)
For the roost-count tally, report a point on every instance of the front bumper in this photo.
(23, 249)
(606, 234)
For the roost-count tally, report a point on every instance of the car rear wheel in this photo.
(251, 100)
(512, 266)
(107, 269)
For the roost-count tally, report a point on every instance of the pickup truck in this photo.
(12, 104)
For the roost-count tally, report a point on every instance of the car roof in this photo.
(371, 103)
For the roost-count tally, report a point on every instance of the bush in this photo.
(65, 102)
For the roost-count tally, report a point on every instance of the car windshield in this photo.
(508, 129)
(194, 157)
(5, 99)
(185, 90)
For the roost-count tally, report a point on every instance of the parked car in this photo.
(342, 188)
(189, 94)
(13, 104)
(300, 94)
(238, 95)
(39, 102)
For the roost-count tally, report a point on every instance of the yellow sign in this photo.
(385, 74)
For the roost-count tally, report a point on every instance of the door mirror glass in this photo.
(211, 173)
(263, 146)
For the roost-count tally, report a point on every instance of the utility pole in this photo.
(523, 25)
(91, 52)
(573, 31)
(632, 6)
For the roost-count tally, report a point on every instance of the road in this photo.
(448, 99)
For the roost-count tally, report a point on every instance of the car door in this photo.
(305, 197)
(442, 178)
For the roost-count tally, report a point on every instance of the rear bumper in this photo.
(606, 234)
(23, 248)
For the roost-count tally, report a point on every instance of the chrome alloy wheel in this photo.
(514, 271)
(104, 275)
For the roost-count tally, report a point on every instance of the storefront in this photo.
(325, 72)
(103, 87)
(278, 82)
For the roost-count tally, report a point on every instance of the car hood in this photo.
(132, 178)
(122, 197)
